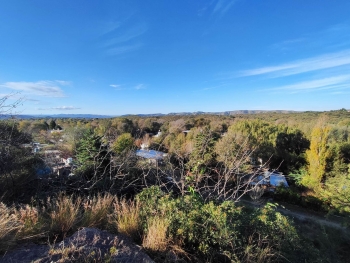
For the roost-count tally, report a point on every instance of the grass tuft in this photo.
(96, 211)
(156, 237)
(64, 213)
(127, 219)
(9, 226)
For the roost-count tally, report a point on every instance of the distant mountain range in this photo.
(236, 112)
(57, 116)
(95, 116)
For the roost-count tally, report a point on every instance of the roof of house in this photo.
(150, 154)
(272, 179)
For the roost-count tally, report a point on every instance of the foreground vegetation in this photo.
(185, 228)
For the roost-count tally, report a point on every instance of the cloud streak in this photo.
(123, 39)
(129, 35)
(302, 66)
(222, 6)
(60, 108)
(330, 83)
(122, 49)
(137, 87)
(140, 86)
(44, 88)
(65, 108)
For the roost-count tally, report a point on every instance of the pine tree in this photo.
(91, 155)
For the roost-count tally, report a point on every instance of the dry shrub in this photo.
(126, 218)
(9, 226)
(64, 213)
(156, 237)
(96, 211)
(29, 218)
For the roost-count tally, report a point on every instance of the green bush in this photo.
(210, 230)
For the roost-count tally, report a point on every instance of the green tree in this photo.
(124, 142)
(92, 157)
(290, 151)
(203, 150)
(52, 125)
(233, 151)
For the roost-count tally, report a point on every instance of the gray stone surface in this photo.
(86, 245)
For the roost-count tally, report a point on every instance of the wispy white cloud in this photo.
(301, 66)
(45, 88)
(128, 87)
(65, 108)
(123, 38)
(60, 108)
(109, 26)
(340, 92)
(222, 6)
(117, 87)
(31, 99)
(129, 35)
(289, 44)
(330, 83)
(122, 49)
(140, 86)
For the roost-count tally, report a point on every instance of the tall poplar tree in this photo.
(317, 156)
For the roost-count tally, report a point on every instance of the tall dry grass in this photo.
(9, 227)
(126, 219)
(97, 210)
(31, 219)
(156, 236)
(65, 214)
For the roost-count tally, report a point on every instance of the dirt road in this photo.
(301, 214)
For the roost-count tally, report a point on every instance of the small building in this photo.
(158, 134)
(270, 181)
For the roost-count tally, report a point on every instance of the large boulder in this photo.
(86, 245)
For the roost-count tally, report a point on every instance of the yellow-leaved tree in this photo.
(317, 156)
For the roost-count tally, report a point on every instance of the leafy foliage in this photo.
(123, 143)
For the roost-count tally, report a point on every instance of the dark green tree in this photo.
(290, 151)
(52, 125)
(92, 157)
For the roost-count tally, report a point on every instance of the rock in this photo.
(86, 245)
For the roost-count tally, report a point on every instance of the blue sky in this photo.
(151, 56)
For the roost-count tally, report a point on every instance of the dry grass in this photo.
(29, 217)
(126, 218)
(156, 237)
(72, 253)
(257, 252)
(65, 214)
(9, 226)
(96, 211)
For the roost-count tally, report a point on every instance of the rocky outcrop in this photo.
(86, 245)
